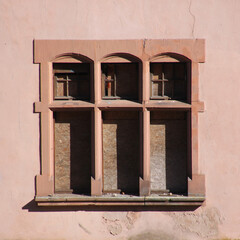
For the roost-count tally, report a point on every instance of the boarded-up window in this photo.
(121, 151)
(73, 152)
(168, 131)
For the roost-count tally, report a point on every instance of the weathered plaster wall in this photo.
(217, 21)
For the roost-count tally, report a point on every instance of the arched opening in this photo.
(170, 77)
(72, 57)
(72, 80)
(121, 77)
(121, 80)
(72, 77)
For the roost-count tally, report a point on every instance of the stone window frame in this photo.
(96, 52)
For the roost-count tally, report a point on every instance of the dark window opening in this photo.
(120, 81)
(71, 81)
(168, 81)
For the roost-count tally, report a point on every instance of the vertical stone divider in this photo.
(144, 180)
(194, 120)
(194, 82)
(92, 77)
(196, 185)
(146, 81)
(96, 180)
(194, 148)
(45, 181)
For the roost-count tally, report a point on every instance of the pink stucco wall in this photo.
(217, 21)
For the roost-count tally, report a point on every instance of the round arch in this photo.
(121, 76)
(72, 57)
(169, 57)
(120, 58)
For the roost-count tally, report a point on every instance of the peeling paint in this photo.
(203, 223)
(114, 228)
(117, 222)
(131, 219)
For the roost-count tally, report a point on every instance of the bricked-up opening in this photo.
(169, 81)
(121, 151)
(71, 81)
(73, 152)
(168, 133)
(120, 81)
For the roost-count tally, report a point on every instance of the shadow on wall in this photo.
(153, 236)
(32, 207)
(128, 171)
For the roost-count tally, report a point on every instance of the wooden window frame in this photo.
(164, 81)
(47, 52)
(111, 83)
(69, 76)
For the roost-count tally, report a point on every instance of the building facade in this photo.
(119, 119)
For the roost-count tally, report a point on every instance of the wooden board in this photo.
(168, 133)
(121, 151)
(73, 152)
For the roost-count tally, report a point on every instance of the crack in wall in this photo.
(193, 16)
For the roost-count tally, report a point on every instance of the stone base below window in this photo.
(73, 200)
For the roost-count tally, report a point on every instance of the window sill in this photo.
(119, 104)
(118, 200)
(167, 104)
(55, 105)
(60, 105)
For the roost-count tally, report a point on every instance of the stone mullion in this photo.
(144, 181)
(96, 180)
(45, 181)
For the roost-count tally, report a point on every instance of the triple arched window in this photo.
(119, 117)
